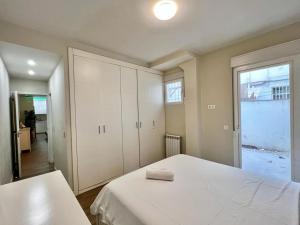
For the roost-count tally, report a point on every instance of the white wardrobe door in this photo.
(87, 76)
(152, 117)
(130, 119)
(111, 121)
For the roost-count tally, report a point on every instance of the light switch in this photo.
(226, 127)
(211, 107)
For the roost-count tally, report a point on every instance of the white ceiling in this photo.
(129, 27)
(15, 58)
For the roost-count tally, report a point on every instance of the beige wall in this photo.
(25, 104)
(5, 145)
(192, 103)
(175, 121)
(28, 86)
(215, 82)
(175, 113)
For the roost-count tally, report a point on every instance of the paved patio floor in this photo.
(267, 163)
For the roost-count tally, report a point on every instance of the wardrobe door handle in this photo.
(104, 129)
(137, 125)
(140, 124)
(99, 129)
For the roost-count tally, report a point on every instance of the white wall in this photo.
(57, 91)
(266, 124)
(5, 137)
(175, 113)
(28, 86)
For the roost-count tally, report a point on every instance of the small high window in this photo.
(174, 91)
(40, 104)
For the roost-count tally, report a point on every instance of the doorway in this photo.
(263, 114)
(32, 116)
(37, 103)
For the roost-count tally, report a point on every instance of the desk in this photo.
(44, 199)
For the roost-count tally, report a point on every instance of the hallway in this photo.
(36, 162)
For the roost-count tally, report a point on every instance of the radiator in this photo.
(172, 145)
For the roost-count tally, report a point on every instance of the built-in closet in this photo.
(117, 116)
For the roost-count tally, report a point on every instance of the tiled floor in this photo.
(36, 162)
(267, 163)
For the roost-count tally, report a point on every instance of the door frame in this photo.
(49, 116)
(15, 95)
(237, 112)
(50, 129)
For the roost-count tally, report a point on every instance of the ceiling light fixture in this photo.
(31, 72)
(165, 9)
(31, 62)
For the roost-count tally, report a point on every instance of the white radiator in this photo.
(172, 145)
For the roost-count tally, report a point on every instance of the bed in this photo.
(202, 193)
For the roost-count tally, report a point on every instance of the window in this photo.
(174, 91)
(40, 104)
(281, 92)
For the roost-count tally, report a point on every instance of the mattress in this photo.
(202, 193)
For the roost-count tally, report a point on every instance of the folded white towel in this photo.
(160, 174)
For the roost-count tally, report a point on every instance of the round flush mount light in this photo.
(31, 72)
(165, 9)
(31, 62)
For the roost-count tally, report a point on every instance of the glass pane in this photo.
(264, 110)
(173, 92)
(40, 104)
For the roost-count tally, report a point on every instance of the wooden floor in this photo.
(36, 162)
(86, 199)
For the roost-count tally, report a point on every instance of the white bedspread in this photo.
(202, 193)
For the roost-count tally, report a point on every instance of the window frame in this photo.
(181, 80)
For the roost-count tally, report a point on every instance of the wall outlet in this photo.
(211, 107)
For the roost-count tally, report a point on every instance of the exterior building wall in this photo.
(266, 124)
(263, 91)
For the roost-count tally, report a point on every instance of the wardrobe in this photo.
(117, 118)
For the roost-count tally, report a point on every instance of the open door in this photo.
(50, 129)
(15, 129)
(263, 135)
